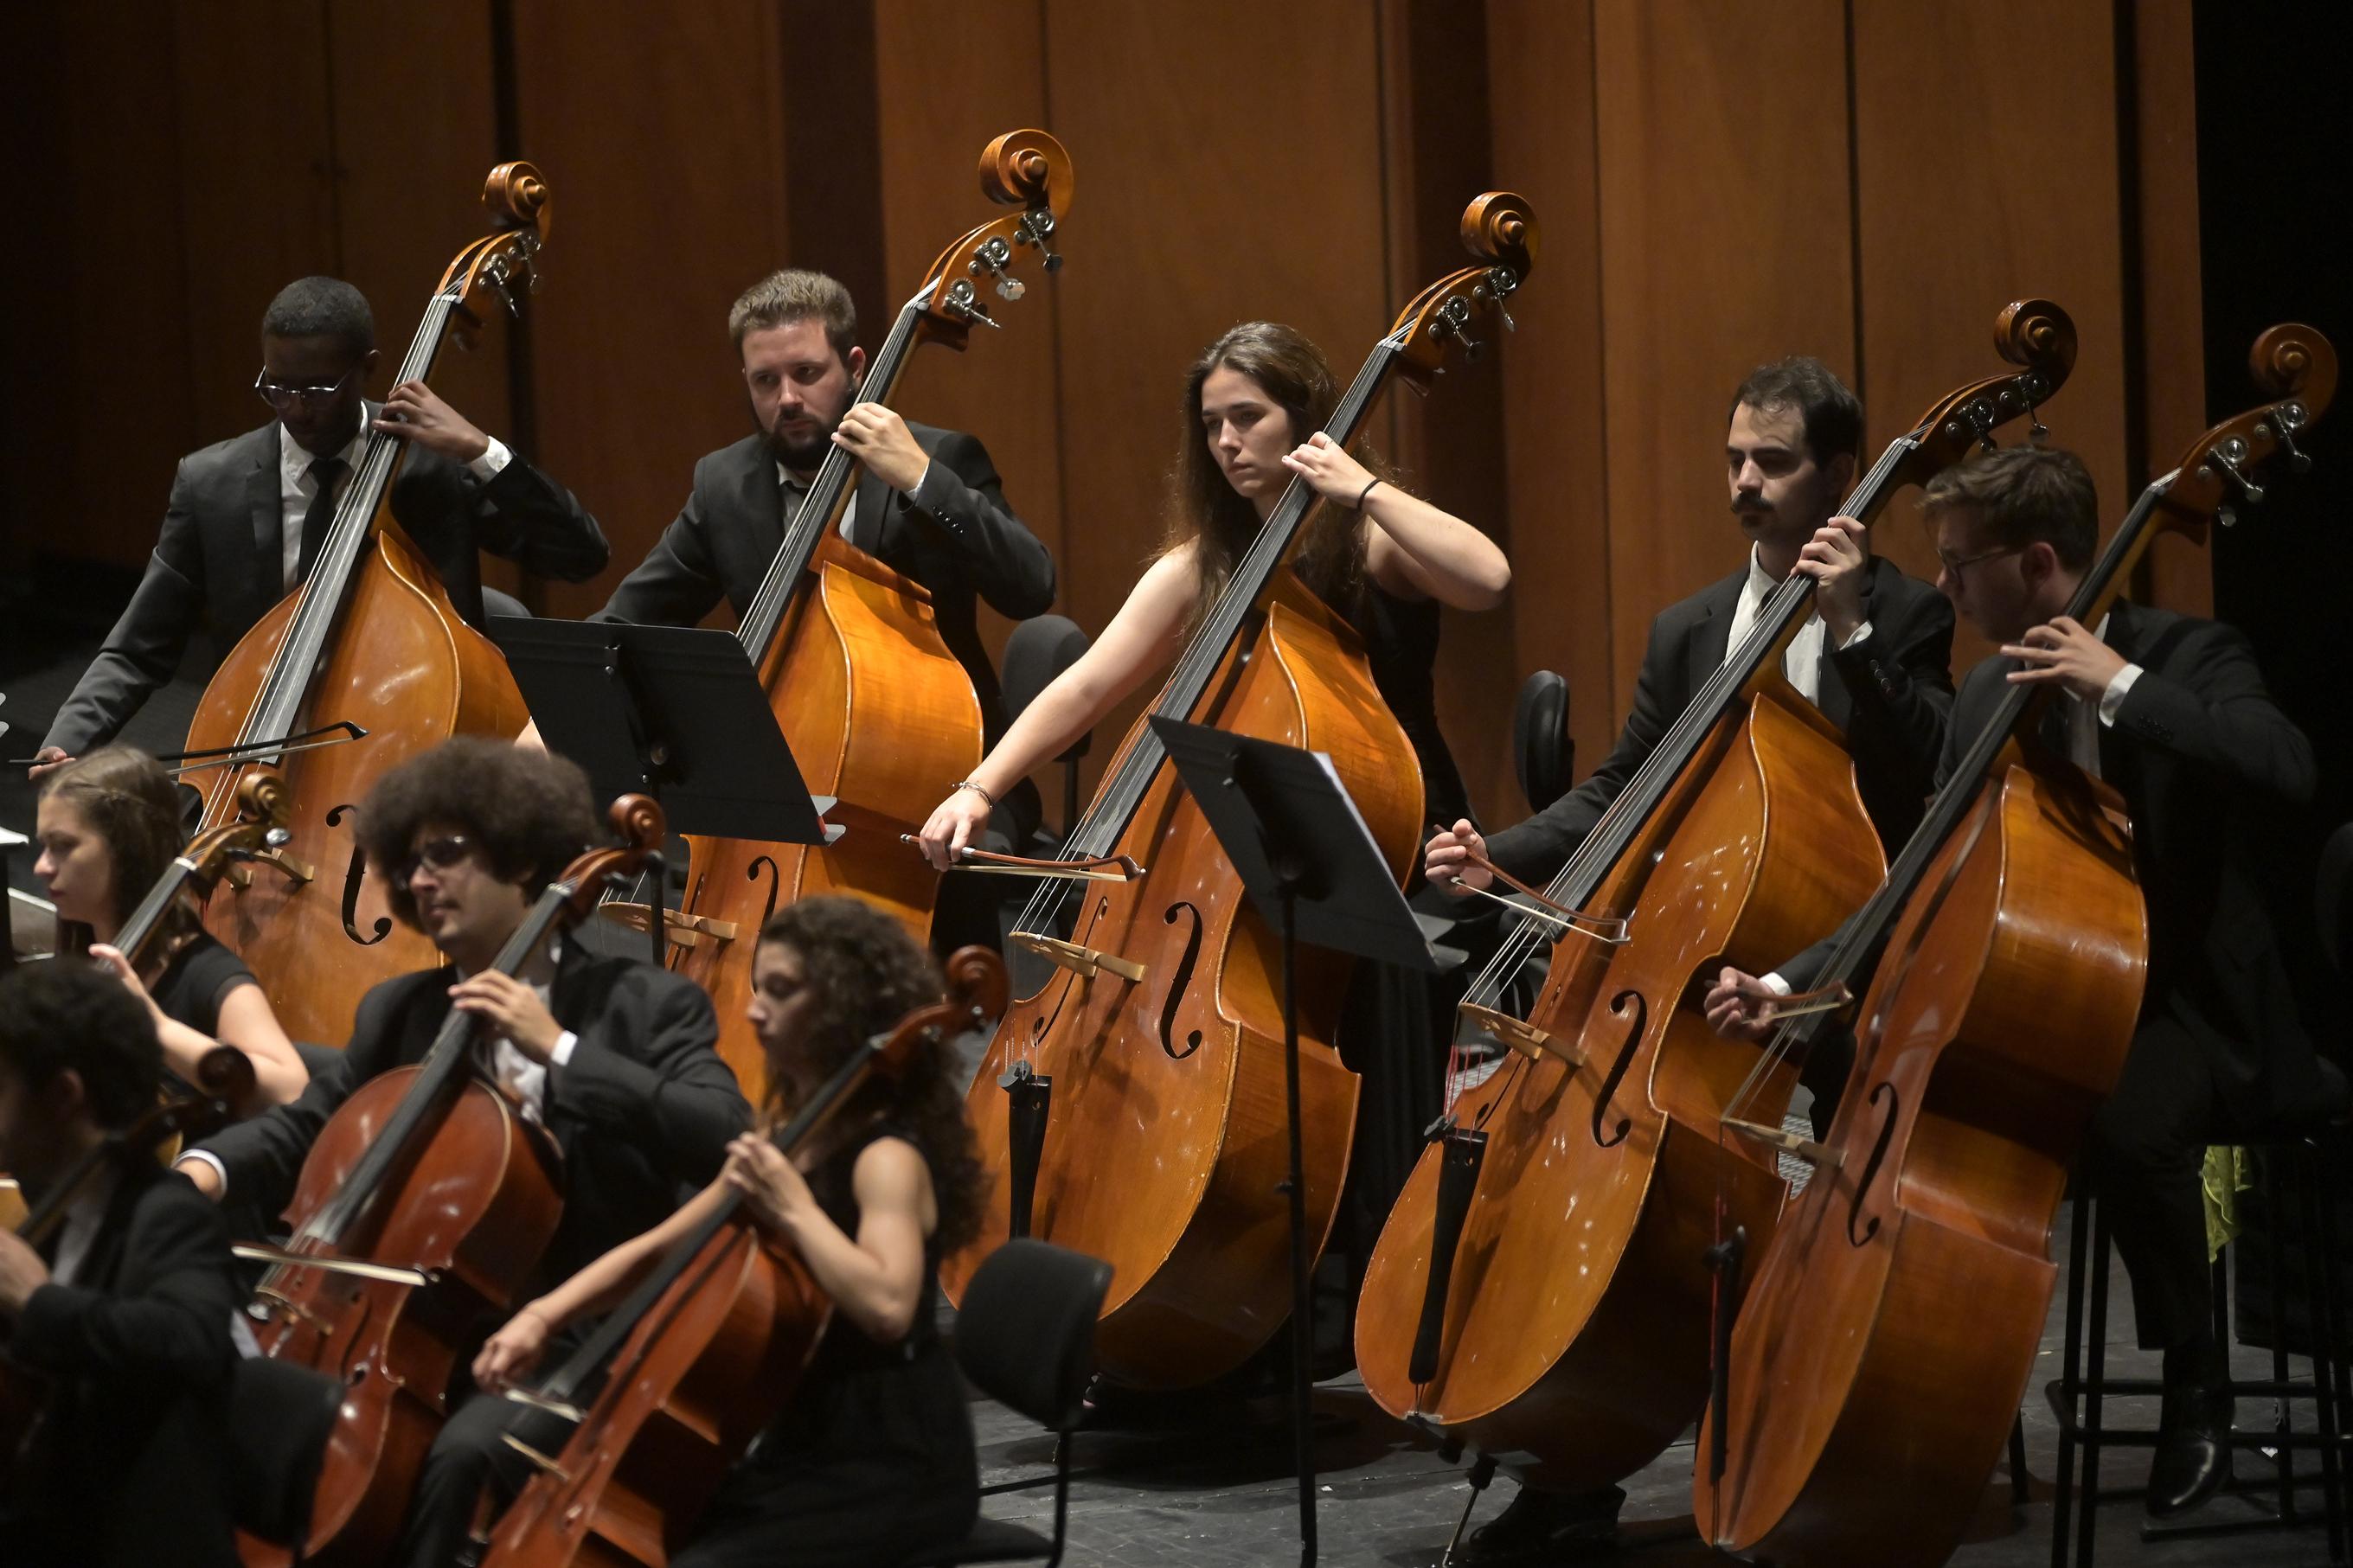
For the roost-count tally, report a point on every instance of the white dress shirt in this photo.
(296, 487)
(1801, 661)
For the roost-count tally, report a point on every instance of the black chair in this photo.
(2300, 1174)
(1026, 1338)
(1039, 650)
(280, 1418)
(1541, 751)
(497, 602)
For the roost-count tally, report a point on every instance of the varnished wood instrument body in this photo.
(1166, 1149)
(711, 1347)
(1875, 1367)
(1922, 1255)
(877, 710)
(371, 640)
(419, 1216)
(1576, 1312)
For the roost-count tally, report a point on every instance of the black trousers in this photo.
(469, 1453)
(2146, 1156)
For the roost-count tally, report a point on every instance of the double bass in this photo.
(1156, 1044)
(679, 1379)
(421, 1210)
(1538, 1286)
(1874, 1368)
(371, 646)
(876, 709)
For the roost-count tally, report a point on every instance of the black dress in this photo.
(872, 1459)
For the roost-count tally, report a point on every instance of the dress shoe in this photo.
(1542, 1526)
(2193, 1450)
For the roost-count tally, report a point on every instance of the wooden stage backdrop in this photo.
(1718, 184)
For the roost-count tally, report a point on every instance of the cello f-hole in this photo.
(1871, 1166)
(1178, 987)
(354, 874)
(1616, 1135)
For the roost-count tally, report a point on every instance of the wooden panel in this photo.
(1540, 70)
(661, 133)
(1724, 199)
(1237, 183)
(100, 405)
(946, 104)
(2012, 107)
(406, 199)
(255, 162)
(2173, 324)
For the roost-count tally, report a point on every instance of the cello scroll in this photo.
(505, 261)
(1024, 169)
(1500, 229)
(637, 821)
(2295, 367)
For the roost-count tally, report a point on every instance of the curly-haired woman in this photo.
(109, 826)
(873, 1458)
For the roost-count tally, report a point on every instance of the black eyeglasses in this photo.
(282, 397)
(1962, 564)
(438, 853)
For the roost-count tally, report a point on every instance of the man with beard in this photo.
(929, 505)
(1874, 657)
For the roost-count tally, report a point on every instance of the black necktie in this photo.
(324, 472)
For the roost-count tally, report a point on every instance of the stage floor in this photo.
(1216, 1491)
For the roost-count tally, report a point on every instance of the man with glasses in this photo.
(247, 516)
(2173, 714)
(1874, 657)
(614, 1059)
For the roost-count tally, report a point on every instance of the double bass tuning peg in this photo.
(1037, 225)
(991, 258)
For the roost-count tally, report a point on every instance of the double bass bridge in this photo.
(1086, 963)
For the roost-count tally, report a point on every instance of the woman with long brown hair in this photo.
(872, 1458)
(1255, 404)
(108, 825)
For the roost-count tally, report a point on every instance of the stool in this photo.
(2297, 1166)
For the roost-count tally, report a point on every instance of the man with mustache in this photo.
(1874, 657)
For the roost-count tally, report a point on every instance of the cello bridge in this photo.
(1821, 1156)
(537, 1458)
(682, 928)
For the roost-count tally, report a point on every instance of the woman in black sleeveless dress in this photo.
(872, 1459)
(109, 826)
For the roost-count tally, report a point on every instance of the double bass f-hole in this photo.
(1177, 986)
(1616, 1135)
(353, 875)
(775, 878)
(1871, 1166)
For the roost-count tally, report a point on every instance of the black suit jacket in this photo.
(1892, 693)
(2198, 751)
(135, 1447)
(641, 1113)
(954, 533)
(220, 557)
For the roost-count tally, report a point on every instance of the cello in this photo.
(421, 1210)
(371, 644)
(1156, 1044)
(876, 709)
(702, 1353)
(1538, 1286)
(1874, 1368)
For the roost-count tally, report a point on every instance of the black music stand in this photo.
(1313, 872)
(675, 712)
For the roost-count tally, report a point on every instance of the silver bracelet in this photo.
(975, 789)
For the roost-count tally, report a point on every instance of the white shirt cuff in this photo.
(2112, 699)
(495, 457)
(1861, 632)
(1775, 984)
(208, 1157)
(561, 1055)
